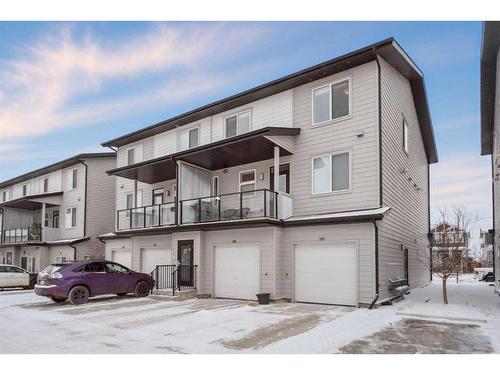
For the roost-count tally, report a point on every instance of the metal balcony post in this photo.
(199, 210)
(265, 203)
(144, 209)
(130, 212)
(241, 205)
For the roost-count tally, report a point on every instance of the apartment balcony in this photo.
(33, 234)
(157, 215)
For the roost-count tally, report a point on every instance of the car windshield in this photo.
(51, 269)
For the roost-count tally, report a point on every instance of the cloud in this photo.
(40, 89)
(462, 179)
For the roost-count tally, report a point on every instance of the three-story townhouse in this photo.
(55, 214)
(313, 187)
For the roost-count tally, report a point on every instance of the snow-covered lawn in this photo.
(32, 324)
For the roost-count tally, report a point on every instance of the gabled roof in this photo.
(388, 49)
(53, 167)
(489, 52)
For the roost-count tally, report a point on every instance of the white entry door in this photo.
(326, 273)
(237, 271)
(154, 256)
(122, 256)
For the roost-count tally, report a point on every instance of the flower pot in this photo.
(263, 298)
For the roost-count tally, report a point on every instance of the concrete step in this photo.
(178, 295)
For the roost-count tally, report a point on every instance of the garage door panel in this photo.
(326, 273)
(122, 256)
(237, 271)
(154, 256)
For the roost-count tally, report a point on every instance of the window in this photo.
(71, 217)
(95, 267)
(215, 185)
(238, 124)
(46, 219)
(115, 268)
(130, 200)
(5, 196)
(55, 219)
(331, 101)
(331, 173)
(72, 179)
(405, 135)
(131, 156)
(45, 186)
(134, 154)
(158, 196)
(25, 190)
(247, 181)
(189, 138)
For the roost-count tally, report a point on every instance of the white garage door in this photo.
(154, 256)
(326, 273)
(237, 271)
(122, 256)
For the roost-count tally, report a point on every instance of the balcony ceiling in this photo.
(34, 202)
(243, 149)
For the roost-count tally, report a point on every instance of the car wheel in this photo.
(141, 289)
(78, 295)
(58, 299)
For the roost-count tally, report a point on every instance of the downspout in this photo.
(2, 232)
(86, 196)
(429, 216)
(493, 216)
(74, 251)
(376, 267)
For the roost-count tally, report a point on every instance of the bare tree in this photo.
(451, 237)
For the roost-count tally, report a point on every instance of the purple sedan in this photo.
(78, 281)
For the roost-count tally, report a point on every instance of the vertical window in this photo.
(238, 124)
(46, 219)
(45, 184)
(71, 217)
(158, 196)
(25, 190)
(74, 179)
(331, 173)
(189, 138)
(4, 196)
(130, 201)
(130, 156)
(247, 181)
(55, 219)
(215, 185)
(331, 101)
(405, 135)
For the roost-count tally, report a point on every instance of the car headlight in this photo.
(55, 275)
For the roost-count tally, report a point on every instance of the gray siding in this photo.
(338, 136)
(496, 182)
(407, 222)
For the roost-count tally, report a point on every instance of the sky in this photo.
(67, 87)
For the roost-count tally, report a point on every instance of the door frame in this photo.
(191, 278)
(284, 169)
(331, 243)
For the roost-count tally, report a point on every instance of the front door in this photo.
(185, 256)
(284, 179)
(9, 258)
(24, 263)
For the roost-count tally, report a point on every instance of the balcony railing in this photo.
(157, 215)
(20, 235)
(253, 204)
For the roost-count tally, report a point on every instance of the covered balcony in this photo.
(194, 171)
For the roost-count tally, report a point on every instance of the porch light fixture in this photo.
(261, 176)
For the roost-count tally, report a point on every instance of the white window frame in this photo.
(330, 84)
(254, 182)
(42, 184)
(237, 114)
(69, 179)
(406, 136)
(137, 158)
(331, 155)
(187, 130)
(6, 192)
(27, 190)
(71, 219)
(126, 199)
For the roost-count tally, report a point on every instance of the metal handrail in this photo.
(144, 212)
(27, 234)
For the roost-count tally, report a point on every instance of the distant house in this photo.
(55, 213)
(448, 238)
(486, 248)
(490, 125)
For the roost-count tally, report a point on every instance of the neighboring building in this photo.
(490, 125)
(313, 187)
(56, 213)
(448, 238)
(486, 243)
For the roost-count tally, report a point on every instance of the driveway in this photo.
(420, 323)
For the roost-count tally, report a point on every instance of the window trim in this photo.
(23, 193)
(46, 178)
(188, 129)
(330, 84)
(331, 155)
(137, 158)
(237, 114)
(240, 184)
(6, 193)
(406, 136)
(153, 194)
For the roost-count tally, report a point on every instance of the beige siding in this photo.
(338, 136)
(407, 222)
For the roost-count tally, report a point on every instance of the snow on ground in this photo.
(32, 324)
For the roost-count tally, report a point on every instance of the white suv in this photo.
(14, 276)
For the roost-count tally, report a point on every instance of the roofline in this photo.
(490, 44)
(57, 165)
(387, 49)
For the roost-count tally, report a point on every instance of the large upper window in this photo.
(331, 101)
(405, 135)
(238, 124)
(189, 138)
(331, 173)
